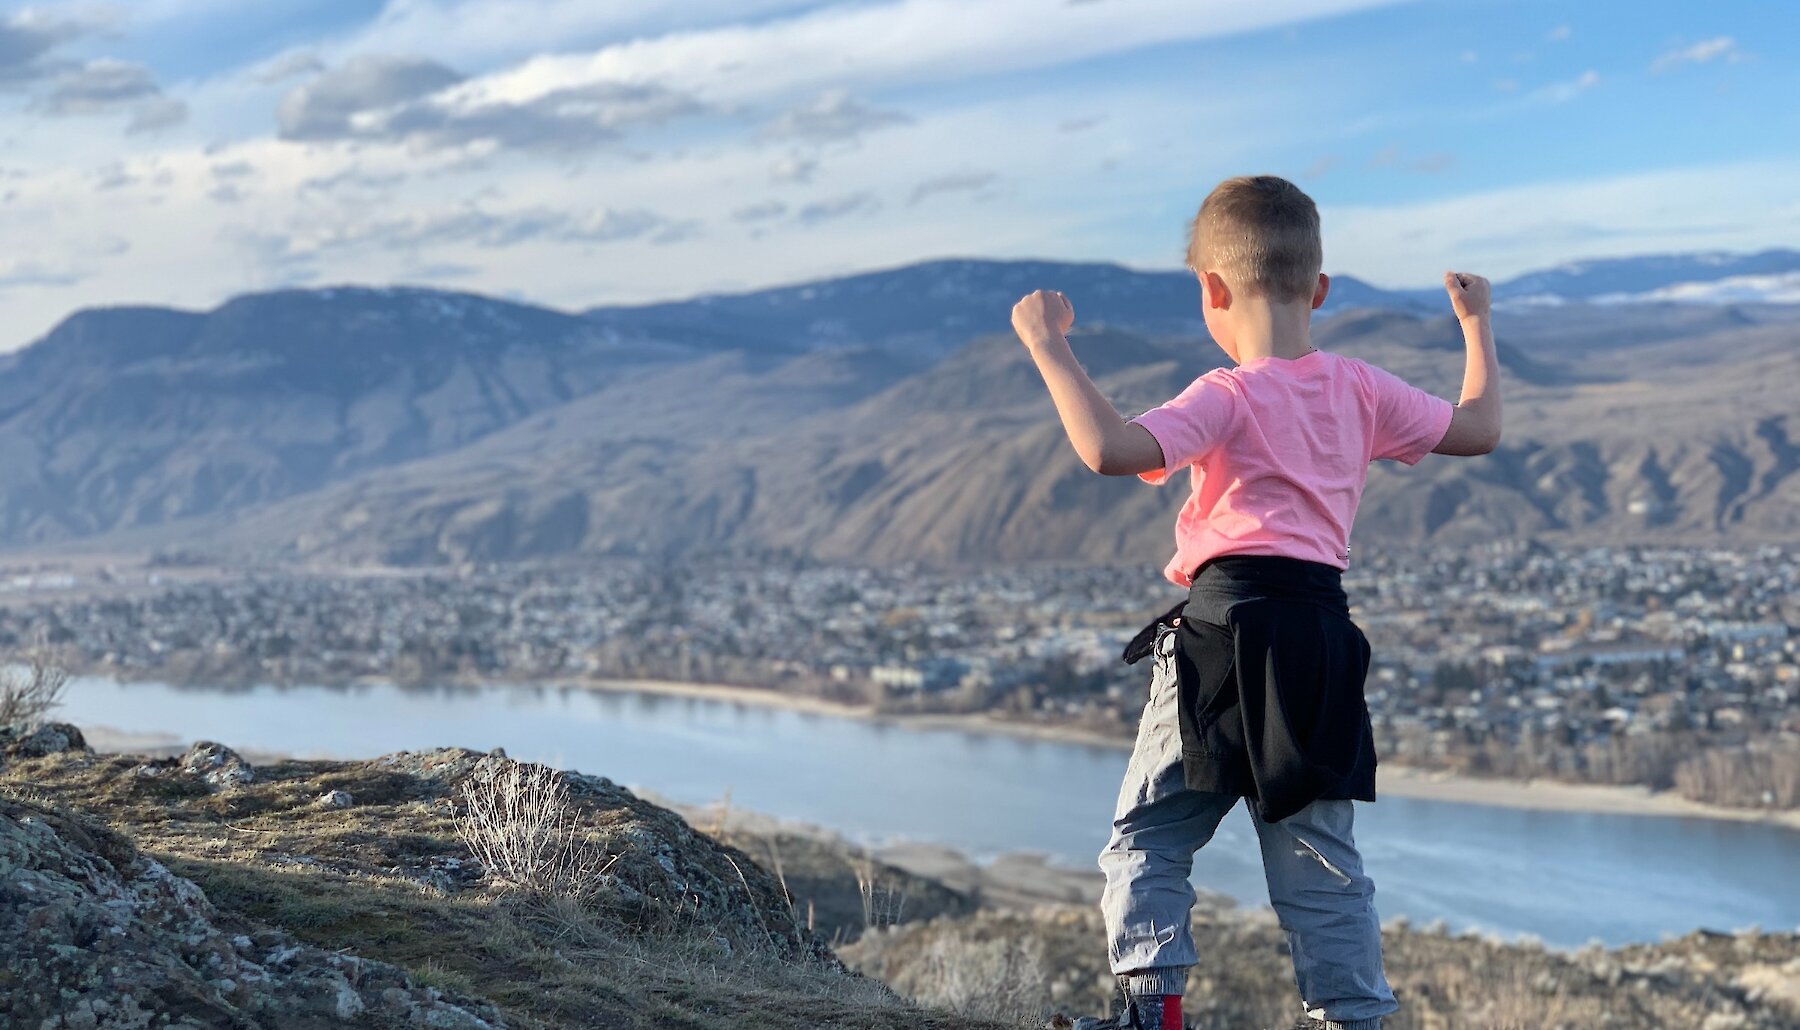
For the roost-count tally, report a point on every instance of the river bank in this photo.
(1396, 780)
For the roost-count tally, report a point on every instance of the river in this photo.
(1563, 877)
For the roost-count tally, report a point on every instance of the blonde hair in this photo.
(1261, 232)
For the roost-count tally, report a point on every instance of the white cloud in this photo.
(28, 40)
(452, 167)
(793, 169)
(144, 12)
(499, 229)
(33, 59)
(477, 33)
(15, 274)
(1719, 48)
(970, 183)
(1563, 92)
(287, 65)
(898, 42)
(98, 86)
(1504, 232)
(327, 107)
(761, 212)
(832, 208)
(305, 213)
(833, 116)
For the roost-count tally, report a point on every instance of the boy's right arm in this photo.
(1475, 424)
(1106, 443)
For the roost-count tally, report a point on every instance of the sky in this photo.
(576, 153)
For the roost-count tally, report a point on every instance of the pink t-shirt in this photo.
(1280, 448)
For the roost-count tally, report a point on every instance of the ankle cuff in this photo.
(1373, 1023)
(1165, 980)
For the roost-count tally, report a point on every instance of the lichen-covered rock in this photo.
(95, 935)
(48, 739)
(217, 764)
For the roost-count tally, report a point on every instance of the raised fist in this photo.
(1042, 315)
(1469, 294)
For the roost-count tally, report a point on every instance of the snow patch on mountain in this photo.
(1782, 288)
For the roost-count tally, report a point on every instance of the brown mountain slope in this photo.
(133, 417)
(965, 462)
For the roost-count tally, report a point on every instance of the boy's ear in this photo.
(1320, 293)
(1218, 295)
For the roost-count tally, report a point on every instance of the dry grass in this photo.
(831, 886)
(993, 979)
(882, 904)
(551, 963)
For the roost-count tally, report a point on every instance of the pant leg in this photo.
(1326, 905)
(1157, 826)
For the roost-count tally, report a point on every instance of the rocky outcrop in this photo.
(94, 934)
(49, 739)
(217, 765)
(320, 893)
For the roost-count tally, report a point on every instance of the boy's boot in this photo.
(1138, 1012)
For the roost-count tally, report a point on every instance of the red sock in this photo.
(1171, 1012)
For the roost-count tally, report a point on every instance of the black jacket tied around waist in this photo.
(1270, 671)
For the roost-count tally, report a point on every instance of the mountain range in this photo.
(883, 416)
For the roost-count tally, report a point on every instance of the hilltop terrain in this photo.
(886, 416)
(218, 892)
(327, 894)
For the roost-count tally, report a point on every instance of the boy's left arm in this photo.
(1106, 443)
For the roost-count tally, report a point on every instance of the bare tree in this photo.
(28, 691)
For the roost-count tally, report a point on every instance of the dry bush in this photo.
(993, 979)
(881, 905)
(1509, 998)
(520, 825)
(29, 691)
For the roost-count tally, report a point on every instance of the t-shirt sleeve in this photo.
(1408, 421)
(1188, 425)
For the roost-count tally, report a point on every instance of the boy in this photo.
(1257, 683)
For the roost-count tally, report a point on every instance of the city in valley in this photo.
(1671, 668)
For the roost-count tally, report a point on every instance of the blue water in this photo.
(1564, 877)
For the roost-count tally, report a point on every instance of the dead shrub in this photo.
(520, 825)
(28, 692)
(991, 979)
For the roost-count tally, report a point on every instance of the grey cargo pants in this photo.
(1316, 883)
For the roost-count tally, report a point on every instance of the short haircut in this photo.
(1261, 232)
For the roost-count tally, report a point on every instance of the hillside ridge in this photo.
(886, 415)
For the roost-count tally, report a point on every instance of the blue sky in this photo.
(578, 153)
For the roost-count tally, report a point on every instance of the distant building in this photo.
(1630, 653)
(927, 675)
